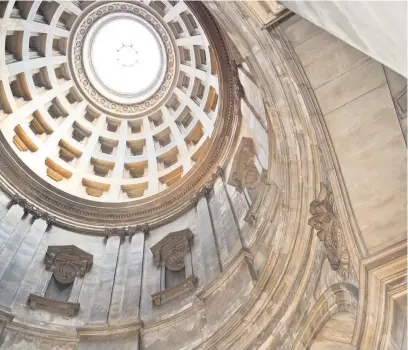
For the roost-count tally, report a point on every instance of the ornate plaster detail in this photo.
(195, 197)
(173, 253)
(68, 265)
(207, 188)
(172, 249)
(67, 262)
(32, 209)
(244, 172)
(145, 228)
(325, 221)
(120, 231)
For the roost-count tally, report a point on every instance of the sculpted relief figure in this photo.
(325, 221)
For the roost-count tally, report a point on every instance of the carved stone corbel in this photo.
(207, 189)
(196, 197)
(325, 221)
(145, 228)
(16, 199)
(122, 232)
(130, 231)
(32, 209)
(209, 185)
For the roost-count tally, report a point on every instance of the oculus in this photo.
(123, 58)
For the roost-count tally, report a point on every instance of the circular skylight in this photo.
(126, 56)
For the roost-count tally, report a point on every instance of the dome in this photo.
(207, 175)
(117, 103)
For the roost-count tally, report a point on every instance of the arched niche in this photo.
(330, 324)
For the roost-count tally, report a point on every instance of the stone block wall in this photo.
(355, 98)
(117, 290)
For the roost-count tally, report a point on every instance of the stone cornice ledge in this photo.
(5, 316)
(43, 329)
(174, 319)
(90, 332)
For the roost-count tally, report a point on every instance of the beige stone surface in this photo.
(336, 333)
(325, 58)
(371, 151)
(301, 30)
(350, 85)
(279, 289)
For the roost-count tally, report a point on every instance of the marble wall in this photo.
(377, 28)
(355, 98)
(117, 289)
(259, 281)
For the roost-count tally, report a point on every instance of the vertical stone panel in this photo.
(102, 297)
(355, 100)
(91, 280)
(119, 285)
(226, 230)
(239, 203)
(9, 223)
(204, 246)
(19, 265)
(13, 243)
(4, 204)
(151, 279)
(133, 283)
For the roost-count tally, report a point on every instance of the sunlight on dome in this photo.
(126, 56)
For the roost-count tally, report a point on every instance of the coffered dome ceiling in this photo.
(111, 102)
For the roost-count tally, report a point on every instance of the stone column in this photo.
(102, 297)
(18, 267)
(13, 243)
(8, 224)
(225, 227)
(133, 284)
(209, 245)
